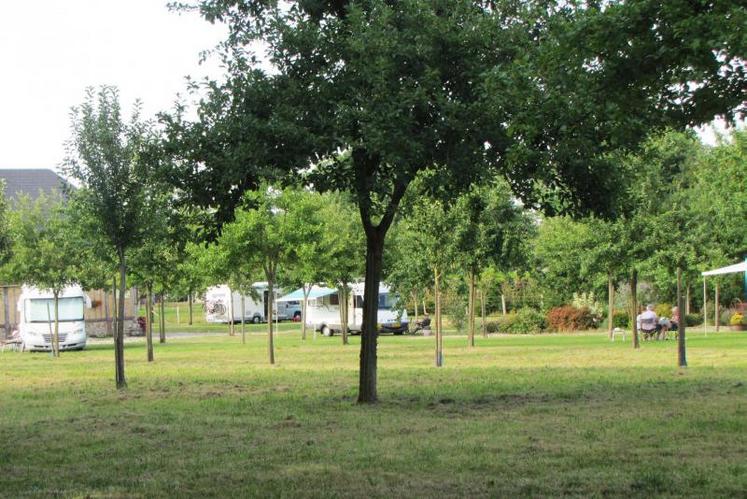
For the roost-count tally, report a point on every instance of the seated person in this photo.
(648, 322)
(423, 324)
(664, 326)
(675, 321)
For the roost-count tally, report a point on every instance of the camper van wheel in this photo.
(255, 319)
(326, 331)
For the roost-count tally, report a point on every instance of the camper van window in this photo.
(71, 309)
(358, 301)
(387, 301)
(334, 299)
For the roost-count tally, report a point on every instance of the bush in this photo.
(525, 321)
(738, 319)
(492, 327)
(589, 301)
(621, 319)
(663, 310)
(725, 318)
(570, 318)
(693, 319)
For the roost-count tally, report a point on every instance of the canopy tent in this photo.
(729, 269)
(316, 292)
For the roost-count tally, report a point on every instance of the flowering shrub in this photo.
(569, 318)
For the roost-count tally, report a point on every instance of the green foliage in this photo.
(663, 309)
(738, 319)
(571, 318)
(525, 321)
(693, 320)
(621, 319)
(588, 301)
(45, 248)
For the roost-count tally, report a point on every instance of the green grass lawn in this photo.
(527, 415)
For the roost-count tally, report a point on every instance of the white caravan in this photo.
(36, 318)
(323, 310)
(222, 303)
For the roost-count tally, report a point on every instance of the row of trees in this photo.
(366, 98)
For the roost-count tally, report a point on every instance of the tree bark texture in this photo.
(56, 338)
(369, 330)
(483, 314)
(270, 274)
(503, 303)
(190, 300)
(107, 317)
(120, 379)
(149, 321)
(610, 307)
(716, 310)
(344, 304)
(162, 320)
(681, 326)
(634, 307)
(243, 319)
(116, 307)
(471, 310)
(437, 296)
(231, 315)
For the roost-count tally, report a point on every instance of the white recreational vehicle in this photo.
(323, 310)
(222, 303)
(37, 313)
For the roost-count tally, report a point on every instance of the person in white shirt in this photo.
(648, 322)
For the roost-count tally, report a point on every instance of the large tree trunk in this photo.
(681, 345)
(471, 310)
(270, 274)
(634, 307)
(369, 331)
(610, 307)
(119, 339)
(439, 331)
(190, 300)
(56, 338)
(149, 320)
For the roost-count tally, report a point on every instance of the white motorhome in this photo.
(323, 310)
(222, 303)
(37, 314)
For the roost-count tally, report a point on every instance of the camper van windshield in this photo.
(71, 309)
(387, 301)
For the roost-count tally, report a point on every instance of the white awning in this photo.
(731, 269)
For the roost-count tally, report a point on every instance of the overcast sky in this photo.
(50, 50)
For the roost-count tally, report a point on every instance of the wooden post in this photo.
(681, 326)
(716, 310)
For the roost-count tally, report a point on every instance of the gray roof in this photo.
(30, 182)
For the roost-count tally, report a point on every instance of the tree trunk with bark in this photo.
(369, 331)
(610, 307)
(190, 301)
(716, 310)
(471, 310)
(681, 326)
(437, 296)
(107, 317)
(634, 307)
(149, 320)
(120, 379)
(503, 304)
(116, 307)
(344, 312)
(483, 313)
(270, 275)
(231, 315)
(162, 320)
(243, 319)
(56, 336)
(304, 305)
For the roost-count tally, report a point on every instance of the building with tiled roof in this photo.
(31, 182)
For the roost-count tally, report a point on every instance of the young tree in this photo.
(106, 155)
(45, 250)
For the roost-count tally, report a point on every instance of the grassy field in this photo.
(528, 416)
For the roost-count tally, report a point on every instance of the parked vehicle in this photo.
(37, 315)
(222, 304)
(323, 310)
